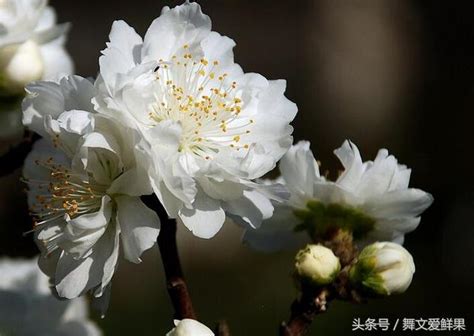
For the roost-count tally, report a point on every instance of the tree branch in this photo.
(176, 284)
(15, 157)
(303, 312)
(222, 329)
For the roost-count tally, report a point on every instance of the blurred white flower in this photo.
(31, 48)
(383, 268)
(370, 199)
(28, 307)
(31, 45)
(317, 264)
(208, 129)
(84, 189)
(189, 327)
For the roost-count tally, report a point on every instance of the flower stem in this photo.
(176, 284)
(177, 288)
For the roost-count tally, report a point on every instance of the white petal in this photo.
(122, 53)
(52, 99)
(401, 179)
(171, 203)
(299, 168)
(185, 24)
(73, 276)
(44, 98)
(271, 131)
(139, 226)
(75, 121)
(350, 158)
(252, 208)
(219, 48)
(221, 190)
(377, 178)
(206, 217)
(399, 204)
(57, 62)
(133, 182)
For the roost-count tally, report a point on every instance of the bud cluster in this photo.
(381, 269)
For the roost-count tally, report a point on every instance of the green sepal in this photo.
(319, 219)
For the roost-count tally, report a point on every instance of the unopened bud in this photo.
(383, 268)
(20, 65)
(189, 327)
(317, 265)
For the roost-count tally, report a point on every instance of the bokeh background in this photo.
(394, 74)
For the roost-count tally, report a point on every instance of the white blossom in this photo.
(208, 129)
(31, 45)
(189, 327)
(383, 268)
(371, 199)
(84, 189)
(29, 308)
(31, 48)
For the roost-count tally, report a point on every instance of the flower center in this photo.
(63, 192)
(207, 105)
(319, 219)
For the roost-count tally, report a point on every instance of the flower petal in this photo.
(206, 217)
(139, 226)
(122, 53)
(350, 158)
(399, 204)
(299, 168)
(185, 24)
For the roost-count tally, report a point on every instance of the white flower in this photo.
(31, 45)
(28, 307)
(383, 269)
(371, 199)
(84, 189)
(189, 327)
(317, 264)
(208, 129)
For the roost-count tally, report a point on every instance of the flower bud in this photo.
(383, 268)
(317, 265)
(20, 65)
(189, 327)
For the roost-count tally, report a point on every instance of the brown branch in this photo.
(15, 157)
(222, 328)
(176, 284)
(303, 312)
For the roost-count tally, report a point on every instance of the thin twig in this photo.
(176, 284)
(15, 157)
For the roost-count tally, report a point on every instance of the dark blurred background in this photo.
(394, 74)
